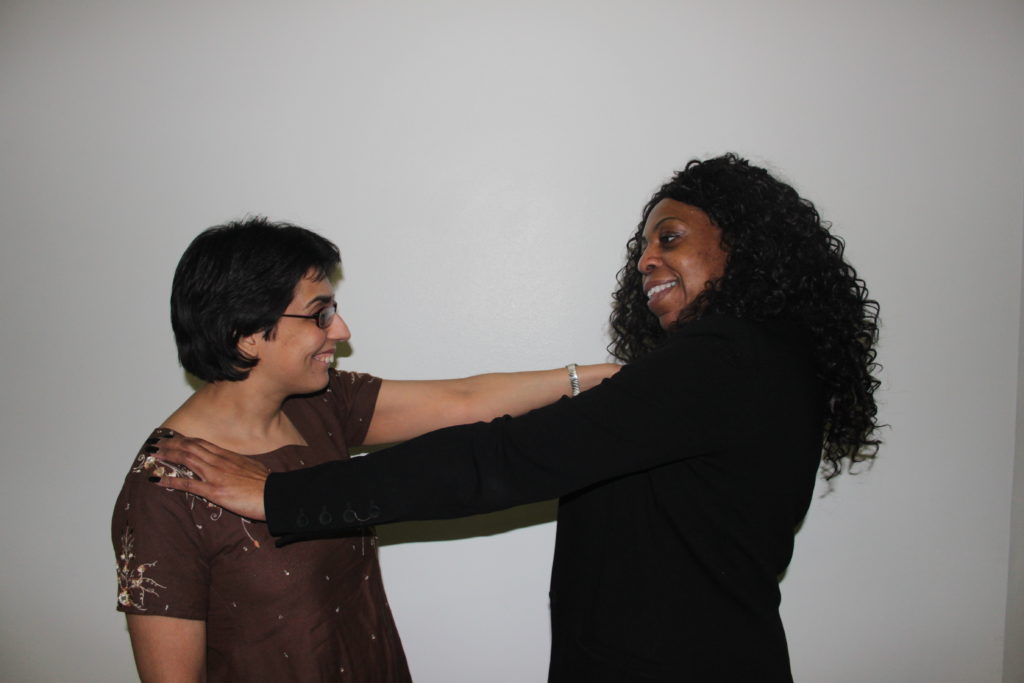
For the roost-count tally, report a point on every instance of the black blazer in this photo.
(682, 479)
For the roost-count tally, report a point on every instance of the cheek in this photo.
(714, 260)
(721, 259)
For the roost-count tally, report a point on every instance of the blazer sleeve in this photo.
(682, 400)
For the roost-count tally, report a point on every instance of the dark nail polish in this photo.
(150, 449)
(154, 479)
(152, 440)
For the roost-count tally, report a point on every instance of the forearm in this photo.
(485, 466)
(688, 398)
(515, 393)
(681, 401)
(447, 473)
(406, 409)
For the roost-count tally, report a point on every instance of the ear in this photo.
(251, 345)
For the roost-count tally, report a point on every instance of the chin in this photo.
(667, 320)
(313, 383)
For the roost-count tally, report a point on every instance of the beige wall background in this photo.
(481, 166)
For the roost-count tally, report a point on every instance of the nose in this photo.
(338, 329)
(648, 260)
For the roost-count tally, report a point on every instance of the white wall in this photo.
(481, 165)
(1013, 659)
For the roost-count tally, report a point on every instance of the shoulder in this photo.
(144, 502)
(342, 380)
(160, 553)
(344, 389)
(721, 350)
(713, 335)
(345, 406)
(716, 325)
(742, 337)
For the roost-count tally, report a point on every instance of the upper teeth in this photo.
(660, 288)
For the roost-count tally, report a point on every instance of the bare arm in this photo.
(406, 409)
(167, 649)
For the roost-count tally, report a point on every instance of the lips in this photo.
(325, 357)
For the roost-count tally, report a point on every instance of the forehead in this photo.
(670, 210)
(310, 292)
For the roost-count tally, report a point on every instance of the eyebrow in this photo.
(669, 218)
(322, 299)
(656, 225)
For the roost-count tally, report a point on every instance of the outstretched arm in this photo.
(680, 401)
(406, 409)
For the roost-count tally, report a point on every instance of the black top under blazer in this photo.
(682, 480)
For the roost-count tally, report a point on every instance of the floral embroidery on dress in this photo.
(147, 463)
(133, 584)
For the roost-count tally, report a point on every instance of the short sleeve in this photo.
(356, 396)
(158, 549)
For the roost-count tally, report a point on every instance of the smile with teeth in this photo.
(660, 288)
(326, 357)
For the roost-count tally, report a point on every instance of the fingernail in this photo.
(154, 479)
(152, 440)
(151, 449)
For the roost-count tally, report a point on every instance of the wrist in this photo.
(592, 375)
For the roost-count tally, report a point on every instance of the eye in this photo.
(667, 238)
(325, 316)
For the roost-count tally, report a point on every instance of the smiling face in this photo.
(682, 252)
(295, 360)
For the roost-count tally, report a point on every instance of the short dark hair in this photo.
(235, 280)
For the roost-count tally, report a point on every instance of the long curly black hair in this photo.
(782, 262)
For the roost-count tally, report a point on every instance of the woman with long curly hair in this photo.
(783, 263)
(749, 345)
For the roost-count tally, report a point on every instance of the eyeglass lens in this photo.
(326, 315)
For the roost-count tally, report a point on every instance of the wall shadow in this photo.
(467, 527)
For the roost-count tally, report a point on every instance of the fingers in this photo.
(208, 461)
(198, 455)
(234, 482)
(205, 451)
(196, 447)
(242, 496)
(192, 486)
(179, 456)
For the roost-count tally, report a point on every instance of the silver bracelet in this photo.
(574, 379)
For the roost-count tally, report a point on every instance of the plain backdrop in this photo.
(481, 165)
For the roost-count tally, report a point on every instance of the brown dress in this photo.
(305, 612)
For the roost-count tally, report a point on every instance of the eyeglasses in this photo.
(324, 317)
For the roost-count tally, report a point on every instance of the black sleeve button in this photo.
(325, 517)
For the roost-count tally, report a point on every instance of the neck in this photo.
(238, 416)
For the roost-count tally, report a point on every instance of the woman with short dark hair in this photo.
(750, 350)
(207, 594)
